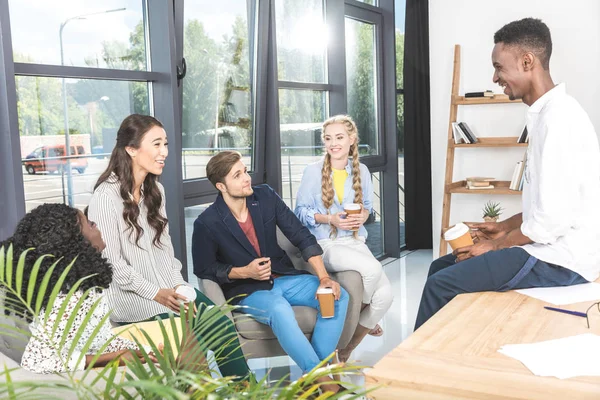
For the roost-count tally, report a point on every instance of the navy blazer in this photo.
(219, 244)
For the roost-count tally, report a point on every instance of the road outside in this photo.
(46, 187)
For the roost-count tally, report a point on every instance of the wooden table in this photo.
(454, 355)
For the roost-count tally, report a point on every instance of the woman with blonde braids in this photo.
(326, 186)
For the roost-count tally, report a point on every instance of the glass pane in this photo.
(301, 113)
(301, 40)
(371, 2)
(190, 214)
(362, 81)
(400, 57)
(374, 224)
(400, 131)
(85, 33)
(218, 109)
(95, 109)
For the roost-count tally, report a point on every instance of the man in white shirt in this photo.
(555, 241)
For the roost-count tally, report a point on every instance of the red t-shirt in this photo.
(248, 229)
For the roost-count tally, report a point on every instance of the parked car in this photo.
(47, 158)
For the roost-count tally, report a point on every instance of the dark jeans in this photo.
(497, 271)
(235, 363)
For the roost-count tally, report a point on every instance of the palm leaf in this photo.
(2, 263)
(31, 289)
(57, 287)
(41, 289)
(73, 315)
(9, 264)
(19, 275)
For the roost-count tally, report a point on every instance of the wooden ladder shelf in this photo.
(450, 187)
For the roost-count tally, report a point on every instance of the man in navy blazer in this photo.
(235, 244)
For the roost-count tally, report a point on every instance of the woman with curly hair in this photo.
(67, 235)
(129, 206)
(326, 186)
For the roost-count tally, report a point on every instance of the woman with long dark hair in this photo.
(64, 234)
(129, 206)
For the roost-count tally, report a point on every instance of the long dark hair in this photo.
(55, 229)
(130, 134)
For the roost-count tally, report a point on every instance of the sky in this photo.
(400, 8)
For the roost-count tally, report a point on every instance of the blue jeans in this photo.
(274, 308)
(497, 271)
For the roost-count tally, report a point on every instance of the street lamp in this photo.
(64, 91)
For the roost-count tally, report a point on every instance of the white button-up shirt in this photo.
(561, 193)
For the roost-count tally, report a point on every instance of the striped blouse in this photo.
(139, 271)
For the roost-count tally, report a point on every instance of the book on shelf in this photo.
(457, 134)
(488, 186)
(515, 176)
(468, 132)
(487, 93)
(524, 136)
(479, 182)
(516, 183)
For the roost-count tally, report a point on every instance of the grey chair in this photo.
(258, 340)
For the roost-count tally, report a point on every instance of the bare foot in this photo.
(377, 331)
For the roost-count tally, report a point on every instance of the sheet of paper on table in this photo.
(561, 295)
(562, 358)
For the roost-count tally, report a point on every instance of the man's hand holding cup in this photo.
(326, 293)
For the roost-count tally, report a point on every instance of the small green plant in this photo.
(492, 210)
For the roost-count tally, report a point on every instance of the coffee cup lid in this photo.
(187, 291)
(456, 231)
(324, 291)
(352, 206)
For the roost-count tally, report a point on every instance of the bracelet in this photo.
(325, 277)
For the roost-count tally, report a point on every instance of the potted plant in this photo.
(491, 211)
(168, 378)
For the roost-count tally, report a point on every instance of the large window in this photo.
(303, 90)
(67, 125)
(252, 75)
(108, 34)
(218, 102)
(95, 109)
(362, 81)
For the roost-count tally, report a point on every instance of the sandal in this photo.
(377, 331)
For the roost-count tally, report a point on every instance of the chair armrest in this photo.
(213, 291)
(352, 282)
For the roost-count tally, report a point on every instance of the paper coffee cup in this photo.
(326, 302)
(352, 208)
(458, 236)
(186, 291)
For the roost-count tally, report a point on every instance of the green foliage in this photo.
(186, 376)
(492, 210)
(400, 85)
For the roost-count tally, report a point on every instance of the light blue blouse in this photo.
(309, 203)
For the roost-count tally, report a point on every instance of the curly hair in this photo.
(130, 134)
(327, 191)
(530, 34)
(55, 229)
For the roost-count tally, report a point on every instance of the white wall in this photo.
(575, 29)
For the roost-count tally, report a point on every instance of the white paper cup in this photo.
(186, 291)
(352, 208)
(326, 302)
(458, 236)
